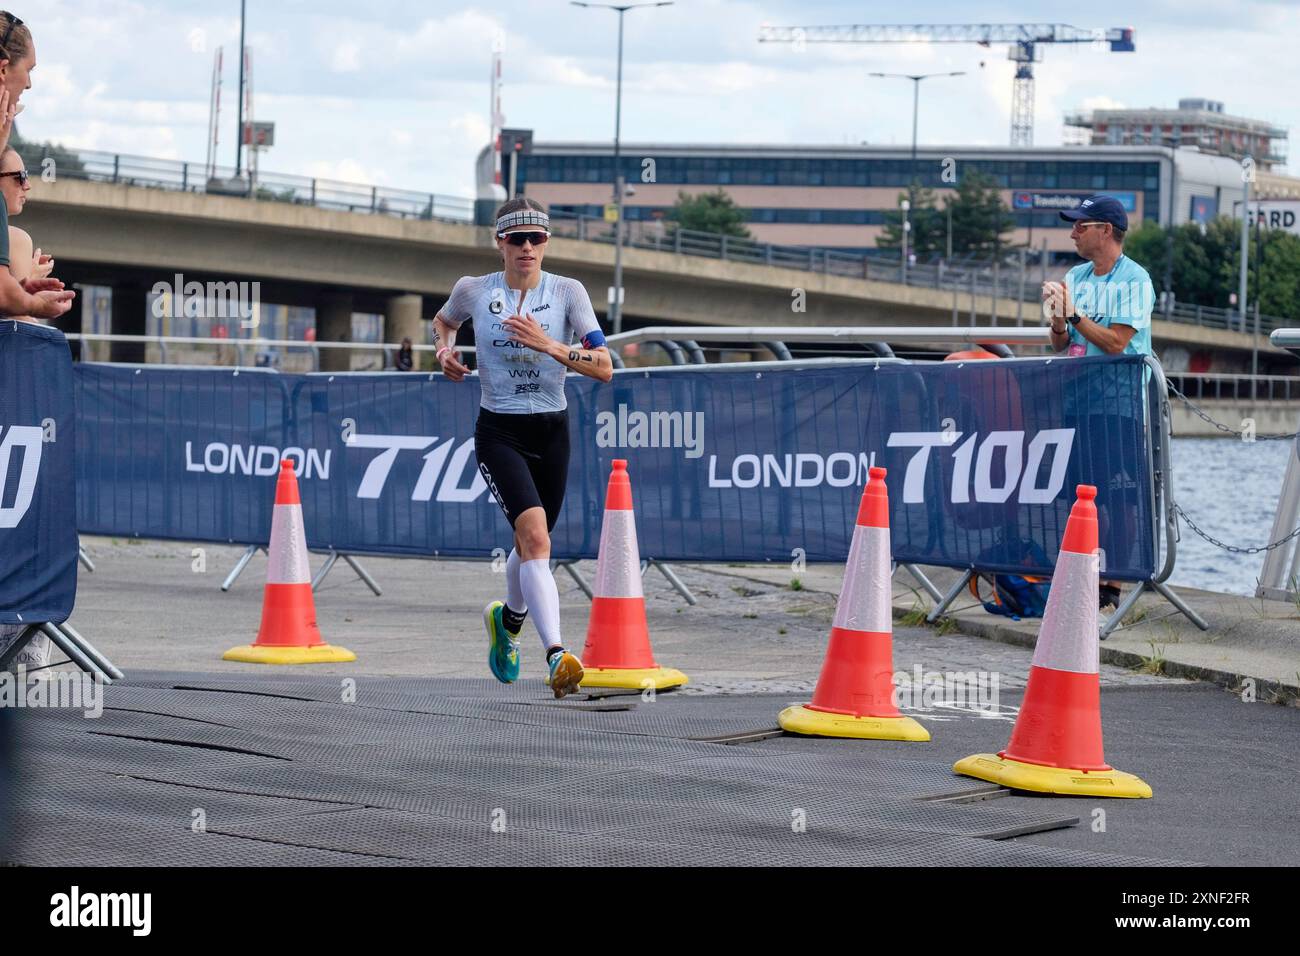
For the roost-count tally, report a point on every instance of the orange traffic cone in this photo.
(617, 653)
(288, 634)
(1056, 743)
(855, 693)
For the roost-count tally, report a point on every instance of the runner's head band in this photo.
(524, 217)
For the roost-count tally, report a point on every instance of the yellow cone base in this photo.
(634, 678)
(817, 723)
(1040, 779)
(264, 654)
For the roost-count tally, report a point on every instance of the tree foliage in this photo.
(980, 220)
(714, 212)
(1207, 263)
(928, 236)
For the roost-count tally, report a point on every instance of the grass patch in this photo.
(916, 616)
(1155, 664)
(796, 584)
(946, 625)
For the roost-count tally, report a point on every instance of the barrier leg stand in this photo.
(324, 570)
(70, 647)
(88, 649)
(924, 581)
(678, 584)
(1179, 603)
(242, 563)
(1164, 591)
(84, 558)
(949, 597)
(1125, 606)
(355, 565)
(578, 579)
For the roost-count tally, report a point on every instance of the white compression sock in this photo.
(538, 585)
(514, 591)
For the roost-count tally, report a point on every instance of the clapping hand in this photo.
(42, 264)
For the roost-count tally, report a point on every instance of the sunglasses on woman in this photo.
(519, 238)
(19, 174)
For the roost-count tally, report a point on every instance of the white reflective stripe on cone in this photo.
(865, 603)
(287, 562)
(1067, 641)
(618, 572)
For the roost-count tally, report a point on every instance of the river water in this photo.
(1230, 489)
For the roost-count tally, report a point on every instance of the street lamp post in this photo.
(1247, 174)
(916, 79)
(620, 186)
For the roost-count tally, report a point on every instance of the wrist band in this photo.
(438, 354)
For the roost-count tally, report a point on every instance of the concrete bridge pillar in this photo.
(402, 315)
(128, 318)
(334, 324)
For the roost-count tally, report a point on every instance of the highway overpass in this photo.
(131, 237)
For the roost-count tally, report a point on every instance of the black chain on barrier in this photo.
(1230, 431)
(1196, 410)
(1227, 547)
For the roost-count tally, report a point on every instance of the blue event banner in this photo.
(727, 464)
(38, 439)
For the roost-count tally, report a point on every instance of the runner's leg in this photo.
(502, 449)
(516, 607)
(550, 473)
(535, 578)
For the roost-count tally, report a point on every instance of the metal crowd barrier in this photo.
(682, 345)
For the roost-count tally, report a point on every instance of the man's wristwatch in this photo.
(1074, 317)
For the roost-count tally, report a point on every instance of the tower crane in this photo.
(1024, 39)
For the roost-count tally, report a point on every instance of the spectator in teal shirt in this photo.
(1104, 307)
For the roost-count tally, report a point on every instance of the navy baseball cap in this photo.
(1099, 209)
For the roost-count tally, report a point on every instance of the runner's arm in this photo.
(594, 363)
(444, 340)
(590, 357)
(445, 324)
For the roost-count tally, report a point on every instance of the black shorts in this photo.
(525, 461)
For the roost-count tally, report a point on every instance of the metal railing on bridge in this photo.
(265, 186)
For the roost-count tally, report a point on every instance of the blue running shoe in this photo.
(503, 647)
(566, 674)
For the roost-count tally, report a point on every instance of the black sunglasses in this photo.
(19, 174)
(519, 238)
(14, 22)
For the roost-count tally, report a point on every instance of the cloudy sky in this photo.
(396, 93)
